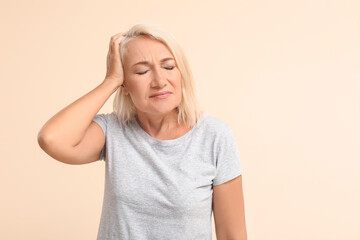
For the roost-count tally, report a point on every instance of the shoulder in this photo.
(107, 120)
(105, 116)
(110, 117)
(212, 129)
(214, 125)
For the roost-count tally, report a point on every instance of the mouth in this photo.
(161, 94)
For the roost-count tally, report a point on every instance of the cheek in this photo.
(179, 90)
(177, 77)
(140, 91)
(134, 85)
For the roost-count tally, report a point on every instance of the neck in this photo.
(156, 125)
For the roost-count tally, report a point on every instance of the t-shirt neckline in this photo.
(168, 142)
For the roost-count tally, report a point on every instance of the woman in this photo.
(168, 164)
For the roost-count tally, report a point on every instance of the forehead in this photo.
(146, 49)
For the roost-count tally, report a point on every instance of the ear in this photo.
(124, 89)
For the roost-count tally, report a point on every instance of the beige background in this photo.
(283, 74)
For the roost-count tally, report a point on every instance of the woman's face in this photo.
(150, 68)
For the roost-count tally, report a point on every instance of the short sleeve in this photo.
(228, 165)
(101, 120)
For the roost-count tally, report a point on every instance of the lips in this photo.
(160, 93)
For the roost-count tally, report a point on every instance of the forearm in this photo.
(68, 126)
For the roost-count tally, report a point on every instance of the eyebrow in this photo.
(147, 63)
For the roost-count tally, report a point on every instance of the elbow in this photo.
(62, 154)
(43, 140)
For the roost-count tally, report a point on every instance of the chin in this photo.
(163, 111)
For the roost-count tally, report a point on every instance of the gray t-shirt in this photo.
(162, 189)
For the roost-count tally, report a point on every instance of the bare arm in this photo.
(70, 135)
(229, 210)
(66, 128)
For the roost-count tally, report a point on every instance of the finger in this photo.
(119, 35)
(116, 44)
(118, 39)
(113, 38)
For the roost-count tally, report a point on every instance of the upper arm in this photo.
(86, 151)
(90, 146)
(228, 210)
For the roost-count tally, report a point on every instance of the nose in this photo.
(158, 79)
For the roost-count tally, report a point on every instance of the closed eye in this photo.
(167, 68)
(141, 73)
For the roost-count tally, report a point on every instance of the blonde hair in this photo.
(189, 110)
